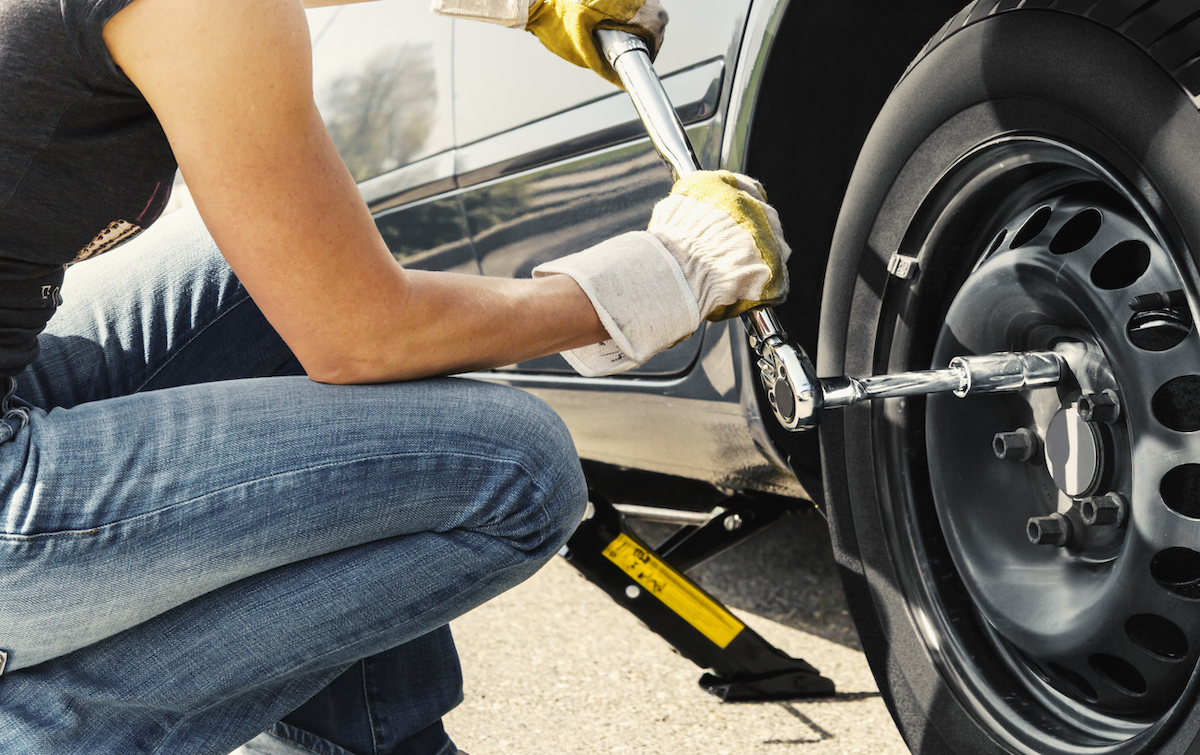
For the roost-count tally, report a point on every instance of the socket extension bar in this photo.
(797, 396)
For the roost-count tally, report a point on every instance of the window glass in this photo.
(381, 78)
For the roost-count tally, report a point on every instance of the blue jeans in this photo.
(193, 550)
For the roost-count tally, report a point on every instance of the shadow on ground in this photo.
(785, 573)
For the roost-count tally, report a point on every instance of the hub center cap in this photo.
(1073, 453)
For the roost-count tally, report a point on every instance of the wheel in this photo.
(1024, 570)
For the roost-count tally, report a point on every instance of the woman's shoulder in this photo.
(83, 22)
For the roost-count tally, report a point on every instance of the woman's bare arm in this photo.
(231, 83)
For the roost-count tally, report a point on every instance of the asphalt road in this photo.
(555, 666)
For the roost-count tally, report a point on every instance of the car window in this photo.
(504, 79)
(381, 77)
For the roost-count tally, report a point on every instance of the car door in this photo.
(552, 159)
(382, 81)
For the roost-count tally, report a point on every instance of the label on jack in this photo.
(676, 591)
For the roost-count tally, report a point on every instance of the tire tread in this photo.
(1167, 30)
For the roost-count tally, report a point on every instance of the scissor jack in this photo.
(650, 583)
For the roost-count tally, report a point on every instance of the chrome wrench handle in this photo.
(1004, 372)
(649, 99)
(786, 372)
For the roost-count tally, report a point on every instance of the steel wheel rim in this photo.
(1102, 658)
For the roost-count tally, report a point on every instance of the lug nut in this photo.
(1159, 300)
(1099, 407)
(1021, 444)
(1107, 509)
(1049, 530)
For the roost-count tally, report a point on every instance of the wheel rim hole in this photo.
(1176, 404)
(1037, 221)
(1074, 681)
(1157, 636)
(1158, 329)
(1177, 570)
(997, 243)
(1077, 232)
(1180, 490)
(1122, 265)
(1118, 672)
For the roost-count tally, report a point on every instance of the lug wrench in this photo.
(797, 396)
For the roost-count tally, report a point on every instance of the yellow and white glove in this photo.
(511, 13)
(565, 26)
(714, 249)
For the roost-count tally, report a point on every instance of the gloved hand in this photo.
(714, 249)
(565, 26)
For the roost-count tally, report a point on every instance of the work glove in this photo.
(565, 26)
(714, 249)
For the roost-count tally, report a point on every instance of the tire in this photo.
(1042, 167)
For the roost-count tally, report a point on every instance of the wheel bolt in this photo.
(1104, 509)
(1021, 444)
(1099, 407)
(1049, 530)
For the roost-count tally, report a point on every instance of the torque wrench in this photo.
(797, 396)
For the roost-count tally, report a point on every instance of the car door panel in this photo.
(521, 221)
(575, 179)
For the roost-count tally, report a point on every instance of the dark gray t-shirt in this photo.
(84, 164)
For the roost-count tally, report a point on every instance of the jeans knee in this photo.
(566, 498)
(559, 474)
(550, 492)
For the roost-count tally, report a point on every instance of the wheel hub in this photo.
(1074, 456)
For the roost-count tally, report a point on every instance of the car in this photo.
(1023, 570)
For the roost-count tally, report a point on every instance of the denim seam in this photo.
(245, 296)
(19, 538)
(370, 713)
(293, 741)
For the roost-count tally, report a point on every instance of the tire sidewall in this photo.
(1036, 72)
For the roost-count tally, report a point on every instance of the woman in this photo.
(223, 503)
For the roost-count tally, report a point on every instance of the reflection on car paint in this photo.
(382, 115)
(594, 126)
(429, 235)
(381, 79)
(520, 222)
(419, 180)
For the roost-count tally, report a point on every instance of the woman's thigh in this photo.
(120, 510)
